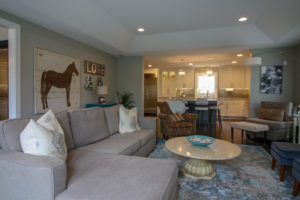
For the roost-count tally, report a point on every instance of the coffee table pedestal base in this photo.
(199, 169)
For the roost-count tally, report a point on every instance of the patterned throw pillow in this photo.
(176, 117)
(44, 137)
(128, 120)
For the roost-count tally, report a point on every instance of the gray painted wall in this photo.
(36, 36)
(130, 78)
(288, 78)
(297, 77)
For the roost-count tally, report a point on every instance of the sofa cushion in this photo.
(144, 135)
(10, 131)
(112, 118)
(88, 126)
(273, 125)
(63, 119)
(117, 177)
(115, 145)
(271, 114)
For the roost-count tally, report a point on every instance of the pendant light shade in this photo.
(253, 61)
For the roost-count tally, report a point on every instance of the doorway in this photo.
(150, 94)
(4, 102)
(14, 67)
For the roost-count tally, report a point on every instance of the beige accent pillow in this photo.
(271, 114)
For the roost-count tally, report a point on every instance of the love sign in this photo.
(94, 68)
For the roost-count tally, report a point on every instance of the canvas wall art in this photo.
(57, 82)
(271, 79)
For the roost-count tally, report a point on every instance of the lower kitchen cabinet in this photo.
(235, 107)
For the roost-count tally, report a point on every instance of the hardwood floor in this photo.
(224, 133)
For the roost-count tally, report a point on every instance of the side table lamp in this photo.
(102, 90)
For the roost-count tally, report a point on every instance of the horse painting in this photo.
(60, 80)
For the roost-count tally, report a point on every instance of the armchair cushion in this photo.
(181, 124)
(30, 176)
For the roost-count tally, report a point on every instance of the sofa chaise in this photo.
(102, 163)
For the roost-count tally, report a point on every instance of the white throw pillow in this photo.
(128, 120)
(44, 137)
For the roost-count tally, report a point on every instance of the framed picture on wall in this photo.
(271, 79)
(57, 81)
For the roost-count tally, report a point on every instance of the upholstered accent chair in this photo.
(276, 115)
(171, 128)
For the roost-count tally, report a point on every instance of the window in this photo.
(206, 83)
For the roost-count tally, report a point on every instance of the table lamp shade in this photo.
(101, 90)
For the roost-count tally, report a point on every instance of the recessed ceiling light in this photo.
(190, 64)
(239, 55)
(243, 19)
(234, 62)
(141, 30)
(149, 65)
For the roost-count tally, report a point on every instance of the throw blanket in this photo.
(177, 106)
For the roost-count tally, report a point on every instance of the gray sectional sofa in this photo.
(102, 164)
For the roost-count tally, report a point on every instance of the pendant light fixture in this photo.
(209, 72)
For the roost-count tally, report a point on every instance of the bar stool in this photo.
(201, 106)
(217, 108)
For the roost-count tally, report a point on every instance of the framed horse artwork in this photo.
(57, 81)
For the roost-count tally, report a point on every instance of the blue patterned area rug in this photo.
(248, 176)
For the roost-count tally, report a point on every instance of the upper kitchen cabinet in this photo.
(234, 77)
(172, 79)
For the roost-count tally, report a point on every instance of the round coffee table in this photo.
(199, 166)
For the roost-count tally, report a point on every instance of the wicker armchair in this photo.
(169, 128)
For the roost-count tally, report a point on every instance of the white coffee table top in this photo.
(220, 150)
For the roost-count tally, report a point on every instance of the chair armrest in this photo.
(25, 176)
(189, 116)
(147, 122)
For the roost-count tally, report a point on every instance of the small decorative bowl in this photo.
(200, 140)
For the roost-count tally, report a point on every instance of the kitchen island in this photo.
(211, 115)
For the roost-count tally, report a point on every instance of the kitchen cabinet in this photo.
(168, 84)
(234, 77)
(235, 107)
